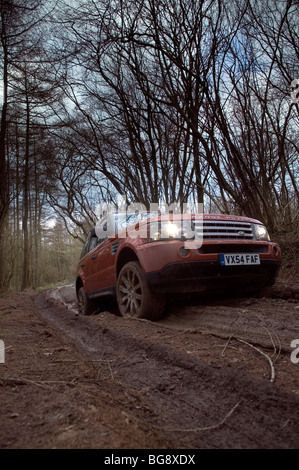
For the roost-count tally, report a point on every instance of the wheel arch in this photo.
(79, 284)
(126, 255)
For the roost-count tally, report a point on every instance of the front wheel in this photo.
(134, 297)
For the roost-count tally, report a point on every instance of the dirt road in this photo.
(210, 374)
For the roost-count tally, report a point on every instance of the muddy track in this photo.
(195, 403)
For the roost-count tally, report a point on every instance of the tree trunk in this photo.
(4, 194)
(26, 258)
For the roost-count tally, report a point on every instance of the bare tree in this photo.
(184, 98)
(255, 120)
(25, 98)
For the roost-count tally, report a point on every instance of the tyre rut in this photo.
(194, 403)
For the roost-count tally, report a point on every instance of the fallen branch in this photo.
(264, 354)
(9, 307)
(14, 381)
(226, 346)
(112, 376)
(205, 428)
(267, 328)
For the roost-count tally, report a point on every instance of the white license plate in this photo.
(237, 259)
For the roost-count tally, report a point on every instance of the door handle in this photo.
(94, 257)
(82, 265)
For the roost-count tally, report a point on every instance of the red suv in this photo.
(142, 257)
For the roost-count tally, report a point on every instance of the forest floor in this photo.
(211, 374)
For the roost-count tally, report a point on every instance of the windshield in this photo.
(123, 220)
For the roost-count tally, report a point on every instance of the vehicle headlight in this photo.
(261, 233)
(165, 230)
(171, 230)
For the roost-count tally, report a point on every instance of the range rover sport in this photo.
(140, 258)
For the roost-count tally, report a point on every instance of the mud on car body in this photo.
(141, 258)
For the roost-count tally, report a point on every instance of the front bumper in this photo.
(210, 276)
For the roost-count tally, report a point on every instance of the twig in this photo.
(227, 343)
(9, 307)
(226, 346)
(264, 354)
(275, 353)
(206, 428)
(14, 381)
(108, 362)
(265, 326)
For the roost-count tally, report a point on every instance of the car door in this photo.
(97, 266)
(100, 262)
(87, 265)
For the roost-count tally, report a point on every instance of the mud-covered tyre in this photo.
(134, 296)
(85, 306)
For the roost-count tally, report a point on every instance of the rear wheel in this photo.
(134, 297)
(85, 306)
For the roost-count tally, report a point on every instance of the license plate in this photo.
(237, 259)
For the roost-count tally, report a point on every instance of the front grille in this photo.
(223, 230)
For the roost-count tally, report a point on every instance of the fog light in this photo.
(183, 252)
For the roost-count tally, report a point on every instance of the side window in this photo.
(102, 229)
(90, 244)
(85, 248)
(93, 243)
